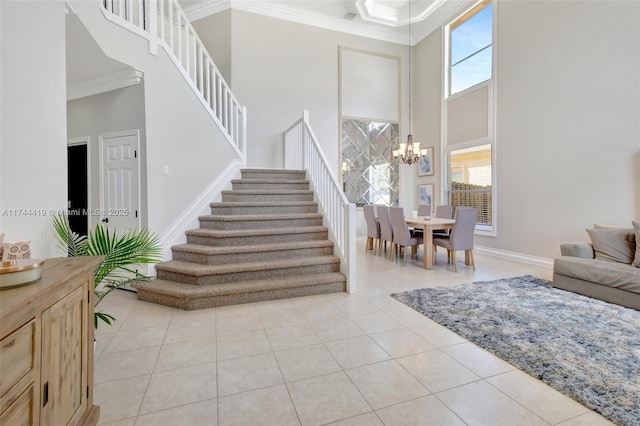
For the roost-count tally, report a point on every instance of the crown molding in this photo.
(104, 83)
(206, 8)
(301, 16)
(445, 12)
(429, 16)
(307, 17)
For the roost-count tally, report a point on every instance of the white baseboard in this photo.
(188, 219)
(512, 255)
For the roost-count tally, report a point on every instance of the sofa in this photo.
(607, 268)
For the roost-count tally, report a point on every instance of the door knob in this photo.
(105, 220)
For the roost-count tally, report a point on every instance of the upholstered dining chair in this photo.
(424, 210)
(443, 211)
(386, 232)
(461, 236)
(373, 229)
(401, 235)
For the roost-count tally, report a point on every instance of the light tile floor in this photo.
(362, 359)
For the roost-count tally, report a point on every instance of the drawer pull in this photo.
(45, 394)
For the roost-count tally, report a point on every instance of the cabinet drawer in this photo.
(20, 412)
(16, 355)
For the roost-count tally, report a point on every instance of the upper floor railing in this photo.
(164, 23)
(302, 152)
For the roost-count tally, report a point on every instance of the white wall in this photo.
(369, 85)
(568, 117)
(113, 111)
(179, 132)
(427, 77)
(33, 134)
(280, 68)
(568, 121)
(215, 33)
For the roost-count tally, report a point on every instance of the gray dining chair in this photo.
(461, 237)
(402, 237)
(424, 210)
(386, 232)
(373, 229)
(443, 211)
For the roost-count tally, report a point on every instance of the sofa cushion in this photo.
(636, 227)
(614, 245)
(584, 250)
(612, 274)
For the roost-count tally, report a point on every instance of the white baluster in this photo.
(201, 75)
(219, 95)
(171, 26)
(162, 20)
(141, 14)
(207, 68)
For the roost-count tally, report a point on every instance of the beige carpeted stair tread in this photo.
(263, 203)
(254, 217)
(268, 192)
(175, 289)
(279, 248)
(223, 233)
(271, 181)
(212, 250)
(199, 270)
(276, 171)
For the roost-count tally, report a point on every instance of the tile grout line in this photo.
(144, 395)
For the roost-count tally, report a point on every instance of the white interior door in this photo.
(120, 180)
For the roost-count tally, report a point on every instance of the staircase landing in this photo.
(264, 241)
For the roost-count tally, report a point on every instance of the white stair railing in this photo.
(302, 152)
(164, 24)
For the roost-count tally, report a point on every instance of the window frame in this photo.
(450, 27)
(491, 139)
(481, 229)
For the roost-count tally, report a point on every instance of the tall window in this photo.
(470, 45)
(469, 182)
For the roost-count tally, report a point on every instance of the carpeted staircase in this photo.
(264, 241)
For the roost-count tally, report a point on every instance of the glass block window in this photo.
(369, 174)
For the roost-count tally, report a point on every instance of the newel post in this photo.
(305, 138)
(350, 249)
(244, 136)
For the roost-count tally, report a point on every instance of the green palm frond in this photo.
(69, 242)
(121, 254)
(122, 251)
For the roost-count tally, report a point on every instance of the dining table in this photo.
(428, 224)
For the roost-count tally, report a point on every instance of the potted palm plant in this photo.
(121, 252)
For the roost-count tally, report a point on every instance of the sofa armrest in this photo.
(584, 250)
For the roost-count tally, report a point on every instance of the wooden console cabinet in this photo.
(46, 347)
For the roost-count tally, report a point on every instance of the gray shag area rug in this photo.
(585, 348)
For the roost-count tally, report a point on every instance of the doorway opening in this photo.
(78, 185)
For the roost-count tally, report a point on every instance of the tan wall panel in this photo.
(468, 116)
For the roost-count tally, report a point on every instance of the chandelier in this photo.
(410, 151)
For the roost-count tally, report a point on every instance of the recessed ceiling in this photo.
(396, 13)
